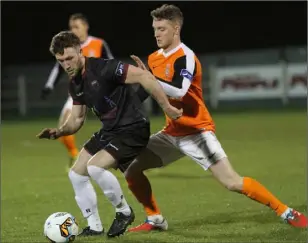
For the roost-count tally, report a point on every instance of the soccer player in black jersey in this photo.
(102, 85)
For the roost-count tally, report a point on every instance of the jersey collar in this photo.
(174, 50)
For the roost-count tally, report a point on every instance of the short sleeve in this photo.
(184, 68)
(116, 71)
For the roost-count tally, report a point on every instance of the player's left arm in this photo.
(184, 69)
(106, 51)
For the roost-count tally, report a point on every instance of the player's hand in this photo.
(45, 92)
(49, 133)
(139, 62)
(173, 112)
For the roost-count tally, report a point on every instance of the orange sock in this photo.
(69, 142)
(257, 192)
(141, 188)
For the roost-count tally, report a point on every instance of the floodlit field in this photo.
(270, 147)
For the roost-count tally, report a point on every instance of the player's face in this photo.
(70, 60)
(79, 28)
(165, 32)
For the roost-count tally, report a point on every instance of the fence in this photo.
(233, 79)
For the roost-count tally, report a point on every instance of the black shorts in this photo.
(124, 144)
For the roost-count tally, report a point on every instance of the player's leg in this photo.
(121, 149)
(228, 177)
(85, 194)
(68, 141)
(160, 152)
(210, 154)
(98, 170)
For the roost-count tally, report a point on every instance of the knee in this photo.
(234, 184)
(133, 170)
(227, 176)
(72, 175)
(77, 178)
(92, 162)
(147, 160)
(94, 171)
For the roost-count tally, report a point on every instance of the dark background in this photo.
(27, 27)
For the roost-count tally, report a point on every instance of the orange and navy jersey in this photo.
(180, 74)
(92, 47)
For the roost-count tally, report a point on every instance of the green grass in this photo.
(265, 146)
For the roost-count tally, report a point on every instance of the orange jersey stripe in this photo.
(196, 116)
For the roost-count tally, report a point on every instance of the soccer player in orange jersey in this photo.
(91, 47)
(193, 135)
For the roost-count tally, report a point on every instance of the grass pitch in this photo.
(270, 147)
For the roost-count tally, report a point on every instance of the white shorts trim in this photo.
(68, 105)
(204, 148)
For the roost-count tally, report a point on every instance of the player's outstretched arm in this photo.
(73, 123)
(151, 85)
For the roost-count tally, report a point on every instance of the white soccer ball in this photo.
(61, 227)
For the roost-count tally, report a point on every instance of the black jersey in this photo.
(101, 88)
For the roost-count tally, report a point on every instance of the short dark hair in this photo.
(79, 16)
(62, 40)
(168, 12)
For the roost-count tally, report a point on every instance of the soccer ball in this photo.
(60, 227)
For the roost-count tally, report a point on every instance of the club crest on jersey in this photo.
(186, 74)
(120, 69)
(167, 71)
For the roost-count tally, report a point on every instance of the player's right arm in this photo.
(72, 125)
(53, 78)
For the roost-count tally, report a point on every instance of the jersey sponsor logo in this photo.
(186, 74)
(120, 69)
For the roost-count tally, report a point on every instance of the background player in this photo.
(99, 84)
(91, 47)
(179, 72)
